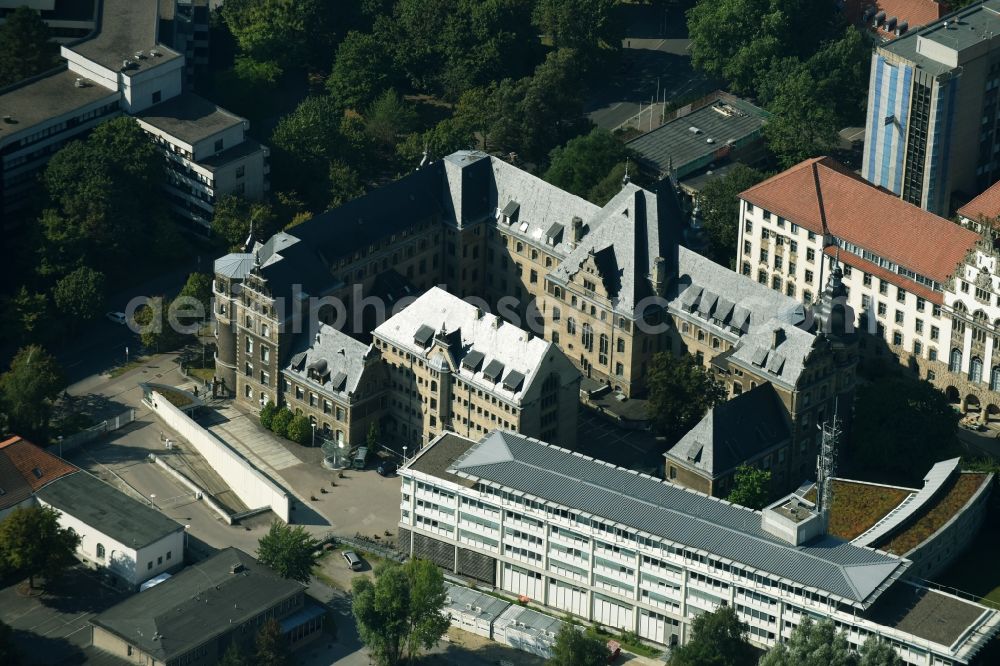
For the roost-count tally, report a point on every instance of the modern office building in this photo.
(68, 20)
(126, 67)
(631, 552)
(931, 128)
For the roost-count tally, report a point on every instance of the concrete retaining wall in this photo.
(252, 487)
(193, 487)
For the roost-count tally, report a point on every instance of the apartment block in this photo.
(127, 66)
(633, 553)
(931, 127)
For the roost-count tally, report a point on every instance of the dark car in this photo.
(386, 468)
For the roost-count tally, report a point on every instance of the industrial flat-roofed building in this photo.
(628, 551)
(193, 617)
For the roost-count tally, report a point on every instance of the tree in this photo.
(80, 295)
(680, 393)
(812, 644)
(585, 161)
(272, 646)
(155, 329)
(719, 202)
(443, 139)
(399, 613)
(877, 652)
(233, 656)
(234, 216)
(30, 311)
(26, 48)
(9, 654)
(901, 427)
(718, 638)
(585, 25)
(739, 40)
(388, 117)
(841, 69)
(199, 287)
(33, 544)
(290, 33)
(577, 648)
(802, 124)
(372, 440)
(27, 389)
(361, 71)
(289, 550)
(345, 184)
(267, 413)
(300, 430)
(751, 487)
(303, 144)
(279, 423)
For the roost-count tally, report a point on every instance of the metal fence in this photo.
(67, 444)
(368, 545)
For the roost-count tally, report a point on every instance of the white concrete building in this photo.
(126, 68)
(631, 552)
(120, 536)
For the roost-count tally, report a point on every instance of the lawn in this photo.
(858, 506)
(961, 490)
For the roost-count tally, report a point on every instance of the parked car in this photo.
(353, 561)
(360, 458)
(386, 468)
(116, 317)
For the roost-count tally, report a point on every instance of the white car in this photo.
(117, 317)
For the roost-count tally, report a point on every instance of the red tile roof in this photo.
(909, 285)
(821, 193)
(35, 465)
(915, 12)
(984, 207)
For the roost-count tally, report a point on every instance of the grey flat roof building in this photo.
(190, 118)
(49, 97)
(125, 28)
(201, 602)
(104, 508)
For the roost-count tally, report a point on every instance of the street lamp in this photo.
(314, 433)
(404, 455)
(60, 445)
(152, 496)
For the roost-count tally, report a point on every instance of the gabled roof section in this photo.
(821, 195)
(734, 432)
(776, 350)
(35, 465)
(331, 360)
(625, 237)
(986, 206)
(497, 348)
(640, 502)
(235, 265)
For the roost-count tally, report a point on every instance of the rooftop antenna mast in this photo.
(826, 464)
(625, 178)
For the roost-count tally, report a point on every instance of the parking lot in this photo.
(53, 627)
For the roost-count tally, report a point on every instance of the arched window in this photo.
(958, 319)
(995, 378)
(587, 337)
(955, 363)
(100, 551)
(976, 369)
(434, 385)
(571, 326)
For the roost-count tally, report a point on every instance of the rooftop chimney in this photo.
(577, 229)
(777, 337)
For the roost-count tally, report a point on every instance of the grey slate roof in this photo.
(628, 233)
(106, 509)
(782, 363)
(466, 600)
(734, 432)
(235, 265)
(644, 503)
(126, 26)
(674, 145)
(341, 357)
(201, 602)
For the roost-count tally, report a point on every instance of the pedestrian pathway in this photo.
(245, 434)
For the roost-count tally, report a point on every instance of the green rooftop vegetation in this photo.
(962, 489)
(858, 506)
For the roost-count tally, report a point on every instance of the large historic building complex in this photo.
(601, 288)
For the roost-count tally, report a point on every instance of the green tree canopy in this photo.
(577, 648)
(803, 124)
(362, 70)
(272, 646)
(300, 430)
(738, 40)
(233, 656)
(751, 487)
(33, 544)
(680, 393)
(155, 329)
(291, 33)
(79, 296)
(443, 139)
(718, 638)
(27, 314)
(875, 652)
(234, 216)
(901, 427)
(267, 413)
(812, 644)
(289, 550)
(26, 48)
(399, 613)
(388, 117)
(585, 161)
(279, 423)
(584, 25)
(27, 389)
(199, 287)
(719, 202)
